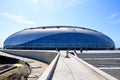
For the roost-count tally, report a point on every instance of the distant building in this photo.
(60, 38)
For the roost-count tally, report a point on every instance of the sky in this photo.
(100, 15)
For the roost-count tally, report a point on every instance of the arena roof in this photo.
(59, 37)
(47, 27)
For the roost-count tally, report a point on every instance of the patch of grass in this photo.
(21, 62)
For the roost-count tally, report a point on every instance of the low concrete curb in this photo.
(49, 71)
(96, 70)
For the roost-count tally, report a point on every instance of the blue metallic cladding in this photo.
(70, 41)
(59, 40)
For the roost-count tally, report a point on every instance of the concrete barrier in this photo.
(49, 71)
(95, 70)
(44, 56)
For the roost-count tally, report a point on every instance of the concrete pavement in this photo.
(71, 69)
(106, 60)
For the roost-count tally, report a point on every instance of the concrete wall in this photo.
(48, 73)
(45, 56)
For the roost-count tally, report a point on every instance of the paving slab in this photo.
(71, 69)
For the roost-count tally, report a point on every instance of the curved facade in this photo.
(58, 37)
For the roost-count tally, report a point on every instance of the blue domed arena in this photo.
(58, 37)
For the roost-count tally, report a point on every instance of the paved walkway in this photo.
(71, 69)
(66, 69)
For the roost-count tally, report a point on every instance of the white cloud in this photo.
(58, 4)
(16, 18)
(114, 18)
(71, 3)
(114, 15)
(35, 2)
(52, 6)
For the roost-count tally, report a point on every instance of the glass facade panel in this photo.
(60, 40)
